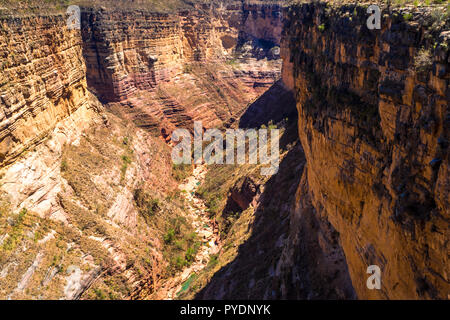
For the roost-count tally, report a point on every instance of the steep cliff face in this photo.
(262, 21)
(135, 50)
(42, 80)
(87, 192)
(86, 189)
(127, 51)
(142, 59)
(74, 180)
(373, 123)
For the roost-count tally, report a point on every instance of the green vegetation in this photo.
(438, 17)
(60, 6)
(239, 227)
(407, 16)
(16, 233)
(272, 126)
(213, 261)
(187, 257)
(126, 162)
(394, 3)
(232, 62)
(212, 200)
(35, 6)
(322, 27)
(413, 2)
(180, 245)
(169, 236)
(92, 171)
(126, 157)
(187, 68)
(63, 165)
(190, 254)
(26, 230)
(100, 295)
(26, 7)
(423, 61)
(181, 171)
(146, 204)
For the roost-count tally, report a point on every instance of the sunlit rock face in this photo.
(130, 51)
(42, 80)
(62, 165)
(371, 174)
(72, 168)
(168, 70)
(373, 122)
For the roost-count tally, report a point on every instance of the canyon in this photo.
(377, 163)
(91, 206)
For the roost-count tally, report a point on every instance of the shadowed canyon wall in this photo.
(86, 186)
(87, 192)
(131, 53)
(373, 123)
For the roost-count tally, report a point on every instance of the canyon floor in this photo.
(92, 205)
(204, 227)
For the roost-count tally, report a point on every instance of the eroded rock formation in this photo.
(87, 194)
(373, 122)
(135, 57)
(42, 80)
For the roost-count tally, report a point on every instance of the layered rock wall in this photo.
(71, 225)
(262, 21)
(58, 148)
(204, 64)
(130, 51)
(373, 122)
(127, 51)
(42, 80)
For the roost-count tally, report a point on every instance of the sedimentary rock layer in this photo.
(130, 51)
(42, 80)
(148, 61)
(373, 122)
(82, 212)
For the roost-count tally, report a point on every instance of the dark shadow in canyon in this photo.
(257, 271)
(259, 254)
(275, 105)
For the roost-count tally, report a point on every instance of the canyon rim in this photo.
(92, 205)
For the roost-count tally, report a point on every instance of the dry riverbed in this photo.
(206, 229)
